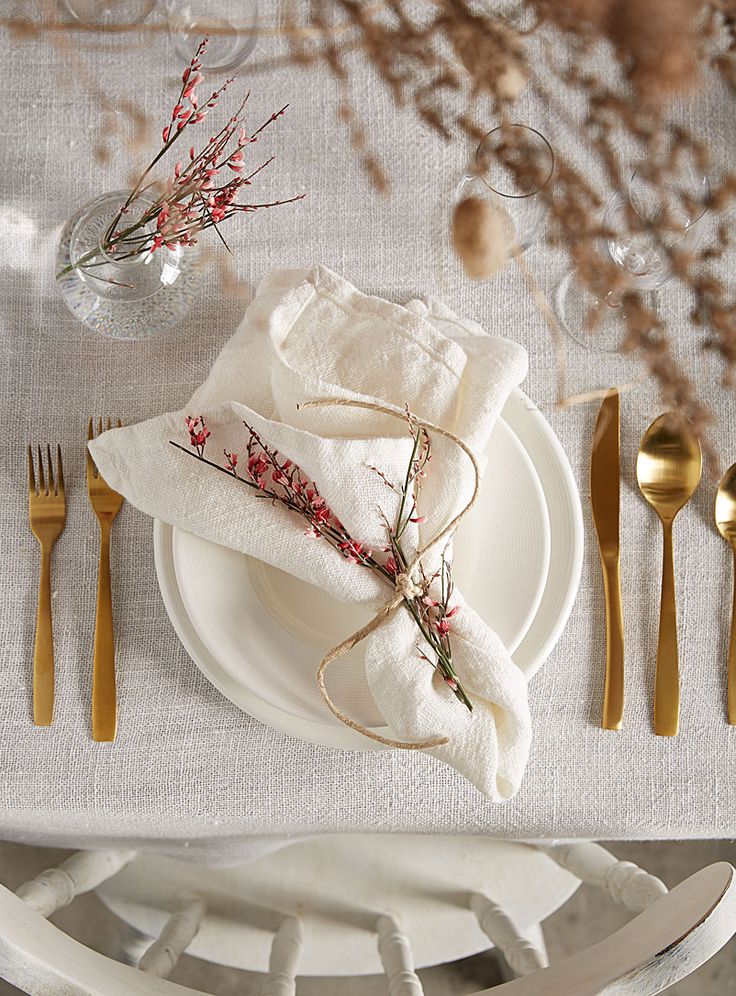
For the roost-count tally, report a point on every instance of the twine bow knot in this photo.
(405, 589)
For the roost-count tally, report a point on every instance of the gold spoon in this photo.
(668, 469)
(726, 523)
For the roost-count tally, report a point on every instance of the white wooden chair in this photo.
(359, 904)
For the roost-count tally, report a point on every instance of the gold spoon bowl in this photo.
(668, 469)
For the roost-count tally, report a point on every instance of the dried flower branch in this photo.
(200, 194)
(281, 481)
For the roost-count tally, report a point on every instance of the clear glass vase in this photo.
(122, 296)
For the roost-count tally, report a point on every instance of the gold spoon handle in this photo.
(667, 684)
(613, 697)
(732, 655)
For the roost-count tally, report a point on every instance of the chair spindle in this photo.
(521, 955)
(396, 956)
(57, 887)
(177, 934)
(284, 960)
(624, 881)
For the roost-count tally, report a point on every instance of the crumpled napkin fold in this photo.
(311, 335)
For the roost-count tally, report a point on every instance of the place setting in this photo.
(393, 542)
(366, 535)
(369, 497)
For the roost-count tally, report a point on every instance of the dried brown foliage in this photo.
(459, 64)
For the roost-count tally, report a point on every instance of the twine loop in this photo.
(405, 589)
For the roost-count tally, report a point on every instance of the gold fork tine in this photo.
(91, 469)
(41, 481)
(31, 476)
(50, 465)
(59, 471)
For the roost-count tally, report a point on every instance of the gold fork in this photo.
(106, 505)
(47, 516)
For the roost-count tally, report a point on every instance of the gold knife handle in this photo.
(732, 655)
(104, 706)
(613, 696)
(667, 682)
(43, 651)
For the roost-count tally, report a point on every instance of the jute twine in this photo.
(405, 589)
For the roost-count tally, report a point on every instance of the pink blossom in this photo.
(391, 566)
(354, 551)
(198, 432)
(443, 626)
(450, 681)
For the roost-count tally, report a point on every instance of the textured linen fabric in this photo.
(188, 769)
(329, 341)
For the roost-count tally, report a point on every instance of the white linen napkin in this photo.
(310, 335)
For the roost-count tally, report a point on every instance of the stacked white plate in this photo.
(258, 634)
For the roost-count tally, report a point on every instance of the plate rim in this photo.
(521, 404)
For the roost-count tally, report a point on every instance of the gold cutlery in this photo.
(725, 513)
(47, 516)
(668, 470)
(106, 505)
(604, 499)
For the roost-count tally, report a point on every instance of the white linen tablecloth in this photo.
(188, 769)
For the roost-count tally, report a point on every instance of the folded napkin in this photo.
(311, 335)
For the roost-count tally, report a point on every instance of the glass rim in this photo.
(534, 131)
(638, 174)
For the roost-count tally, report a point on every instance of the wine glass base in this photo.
(592, 322)
(110, 12)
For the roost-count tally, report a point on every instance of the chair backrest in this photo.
(665, 943)
(675, 933)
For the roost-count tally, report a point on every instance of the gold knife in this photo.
(604, 498)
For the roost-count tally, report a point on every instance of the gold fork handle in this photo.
(667, 682)
(43, 652)
(104, 706)
(732, 655)
(613, 698)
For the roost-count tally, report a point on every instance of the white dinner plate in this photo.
(219, 600)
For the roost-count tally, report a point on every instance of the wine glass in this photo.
(513, 164)
(668, 204)
(229, 25)
(110, 12)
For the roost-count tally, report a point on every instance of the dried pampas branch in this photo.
(605, 70)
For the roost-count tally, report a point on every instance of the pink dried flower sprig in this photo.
(203, 188)
(198, 433)
(281, 481)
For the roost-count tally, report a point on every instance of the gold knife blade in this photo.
(604, 497)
